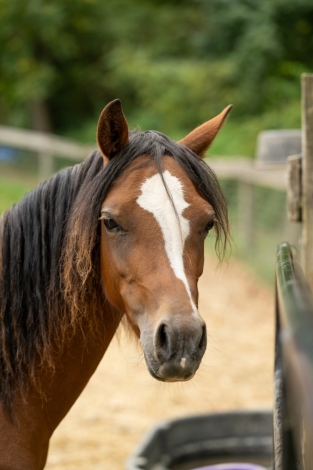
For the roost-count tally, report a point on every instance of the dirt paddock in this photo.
(121, 401)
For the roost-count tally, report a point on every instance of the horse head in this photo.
(154, 221)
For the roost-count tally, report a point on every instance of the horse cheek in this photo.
(110, 273)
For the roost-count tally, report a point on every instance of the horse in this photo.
(119, 236)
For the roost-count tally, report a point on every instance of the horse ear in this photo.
(112, 131)
(200, 139)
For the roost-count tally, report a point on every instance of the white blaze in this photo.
(175, 228)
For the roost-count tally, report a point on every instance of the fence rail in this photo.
(293, 410)
(244, 171)
(47, 146)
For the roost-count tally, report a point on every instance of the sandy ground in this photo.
(121, 401)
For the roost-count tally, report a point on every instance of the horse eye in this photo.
(111, 225)
(209, 226)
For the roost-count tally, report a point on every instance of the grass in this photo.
(13, 186)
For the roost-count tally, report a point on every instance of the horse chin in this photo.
(156, 376)
(150, 368)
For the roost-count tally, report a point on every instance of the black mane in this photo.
(55, 230)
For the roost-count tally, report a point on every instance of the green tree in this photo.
(51, 58)
(172, 62)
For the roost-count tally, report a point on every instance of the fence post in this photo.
(247, 214)
(307, 176)
(45, 165)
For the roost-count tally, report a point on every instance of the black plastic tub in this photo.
(187, 443)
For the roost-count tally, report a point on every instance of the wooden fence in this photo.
(47, 147)
(243, 170)
(293, 406)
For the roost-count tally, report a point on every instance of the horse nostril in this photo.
(202, 342)
(162, 342)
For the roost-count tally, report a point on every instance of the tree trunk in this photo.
(39, 116)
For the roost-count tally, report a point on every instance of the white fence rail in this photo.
(246, 171)
(47, 146)
(243, 170)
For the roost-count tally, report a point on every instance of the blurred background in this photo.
(174, 64)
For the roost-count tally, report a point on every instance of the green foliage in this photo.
(238, 137)
(48, 45)
(173, 63)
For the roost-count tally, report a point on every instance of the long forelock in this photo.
(157, 145)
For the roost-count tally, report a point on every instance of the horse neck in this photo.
(78, 361)
(25, 440)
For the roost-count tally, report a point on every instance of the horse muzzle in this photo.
(174, 351)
